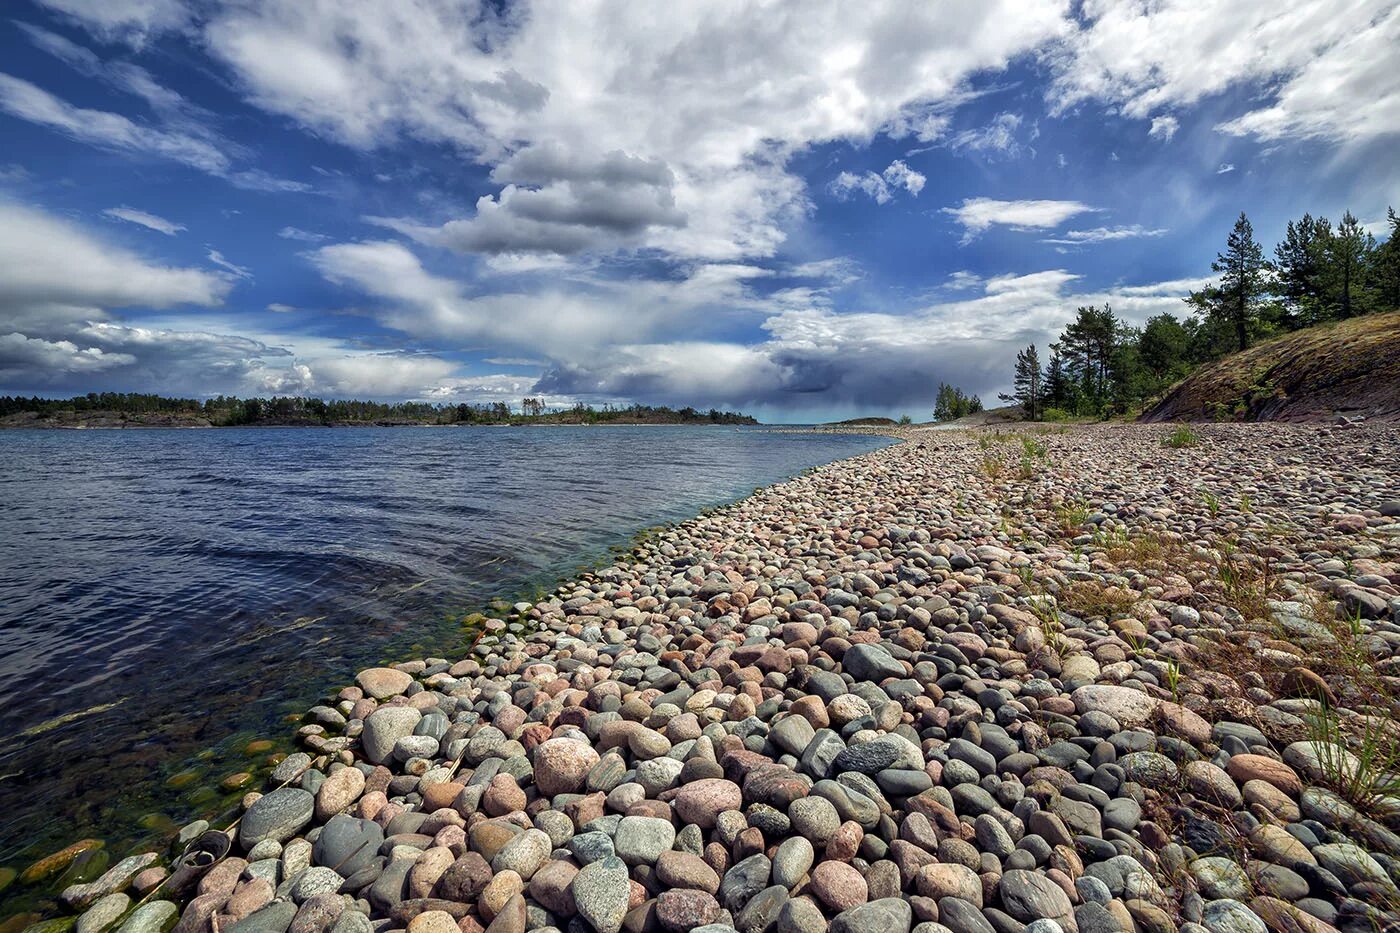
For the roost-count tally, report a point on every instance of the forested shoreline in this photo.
(229, 411)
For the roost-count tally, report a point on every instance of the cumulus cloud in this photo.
(977, 215)
(680, 145)
(880, 187)
(52, 271)
(1163, 128)
(24, 357)
(1324, 66)
(821, 361)
(144, 219)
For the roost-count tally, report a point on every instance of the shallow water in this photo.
(164, 592)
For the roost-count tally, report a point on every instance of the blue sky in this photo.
(803, 210)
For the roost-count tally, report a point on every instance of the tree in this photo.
(952, 403)
(1026, 390)
(1163, 348)
(1348, 255)
(1087, 346)
(1059, 392)
(1242, 269)
(1385, 268)
(1298, 262)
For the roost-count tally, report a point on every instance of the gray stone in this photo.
(601, 893)
(886, 915)
(1031, 895)
(103, 913)
(383, 729)
(792, 861)
(151, 917)
(347, 844)
(1230, 916)
(871, 662)
(274, 918)
(278, 815)
(640, 840)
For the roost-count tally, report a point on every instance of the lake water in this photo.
(167, 592)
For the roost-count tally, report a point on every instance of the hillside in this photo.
(1347, 368)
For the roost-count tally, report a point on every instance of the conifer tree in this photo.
(1242, 268)
(1027, 383)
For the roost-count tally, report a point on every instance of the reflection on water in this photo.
(166, 591)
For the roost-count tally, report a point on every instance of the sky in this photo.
(802, 210)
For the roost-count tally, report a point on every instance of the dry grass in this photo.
(1091, 599)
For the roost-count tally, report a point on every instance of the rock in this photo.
(838, 885)
(887, 915)
(684, 910)
(1129, 707)
(601, 894)
(103, 913)
(1219, 878)
(337, 792)
(871, 663)
(524, 854)
(792, 861)
(151, 917)
(1230, 916)
(561, 765)
(383, 729)
(347, 844)
(1031, 896)
(274, 918)
(383, 682)
(112, 880)
(640, 840)
(700, 802)
(1245, 768)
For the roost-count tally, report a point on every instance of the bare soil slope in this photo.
(1348, 368)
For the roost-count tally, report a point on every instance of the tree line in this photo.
(1319, 273)
(231, 410)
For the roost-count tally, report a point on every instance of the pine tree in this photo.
(1058, 391)
(1385, 269)
(1349, 253)
(1298, 269)
(1242, 268)
(1027, 385)
(1087, 344)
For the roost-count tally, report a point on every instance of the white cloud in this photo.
(217, 258)
(1225, 167)
(52, 271)
(144, 219)
(977, 215)
(26, 101)
(719, 101)
(21, 357)
(304, 236)
(278, 308)
(998, 137)
(1326, 66)
(879, 187)
(1104, 234)
(1164, 128)
(130, 21)
(820, 361)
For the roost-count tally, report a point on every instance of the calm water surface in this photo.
(165, 593)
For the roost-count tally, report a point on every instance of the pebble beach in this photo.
(1102, 679)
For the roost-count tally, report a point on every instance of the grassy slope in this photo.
(1351, 367)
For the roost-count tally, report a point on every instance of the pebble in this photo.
(891, 691)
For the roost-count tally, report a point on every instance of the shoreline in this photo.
(941, 564)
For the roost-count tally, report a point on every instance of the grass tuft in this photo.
(1181, 437)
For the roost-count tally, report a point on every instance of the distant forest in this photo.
(226, 410)
(1320, 273)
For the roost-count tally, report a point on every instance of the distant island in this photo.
(139, 410)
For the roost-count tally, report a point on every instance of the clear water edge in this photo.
(146, 816)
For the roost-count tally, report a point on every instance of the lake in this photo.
(168, 595)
